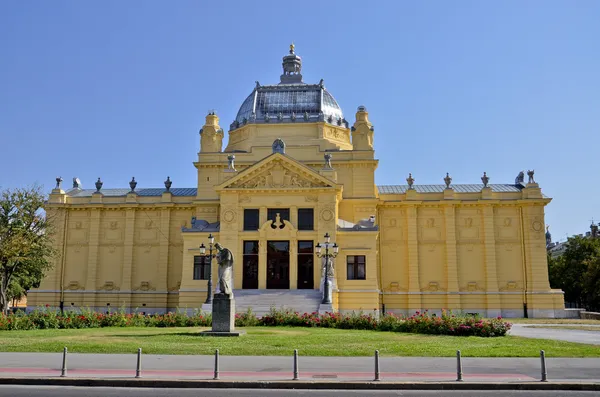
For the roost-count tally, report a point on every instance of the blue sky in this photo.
(119, 89)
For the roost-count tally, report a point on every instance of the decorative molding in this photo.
(311, 199)
(433, 286)
(245, 199)
(74, 286)
(229, 215)
(144, 286)
(510, 286)
(471, 287)
(108, 286)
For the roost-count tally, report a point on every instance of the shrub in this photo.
(420, 322)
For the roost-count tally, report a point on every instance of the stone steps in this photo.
(261, 301)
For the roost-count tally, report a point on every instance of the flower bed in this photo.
(422, 323)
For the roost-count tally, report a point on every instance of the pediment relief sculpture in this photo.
(279, 177)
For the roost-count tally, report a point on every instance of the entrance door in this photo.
(306, 275)
(278, 265)
(250, 265)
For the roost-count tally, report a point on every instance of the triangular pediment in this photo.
(278, 171)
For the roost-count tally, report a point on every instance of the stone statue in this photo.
(328, 157)
(520, 178)
(225, 261)
(530, 175)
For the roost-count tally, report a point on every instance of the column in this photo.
(414, 289)
(453, 298)
(90, 284)
(294, 264)
(494, 304)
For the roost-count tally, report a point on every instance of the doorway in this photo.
(278, 265)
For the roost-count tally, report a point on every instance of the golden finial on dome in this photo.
(292, 47)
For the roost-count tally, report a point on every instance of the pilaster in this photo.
(491, 275)
(262, 263)
(163, 255)
(451, 258)
(535, 248)
(414, 291)
(293, 263)
(128, 250)
(92, 264)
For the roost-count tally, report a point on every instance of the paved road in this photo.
(569, 335)
(311, 368)
(56, 391)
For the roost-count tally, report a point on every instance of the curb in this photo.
(320, 385)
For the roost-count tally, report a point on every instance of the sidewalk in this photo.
(267, 368)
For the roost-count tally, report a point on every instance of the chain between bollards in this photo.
(216, 376)
(459, 373)
(138, 367)
(377, 374)
(295, 364)
(543, 359)
(63, 371)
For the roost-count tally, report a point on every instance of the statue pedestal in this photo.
(223, 317)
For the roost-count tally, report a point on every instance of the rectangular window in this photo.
(251, 219)
(355, 267)
(201, 267)
(250, 265)
(284, 213)
(306, 219)
(306, 268)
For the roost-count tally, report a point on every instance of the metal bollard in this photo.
(63, 371)
(295, 364)
(377, 374)
(138, 368)
(544, 373)
(459, 373)
(216, 376)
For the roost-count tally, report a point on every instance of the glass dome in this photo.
(288, 101)
(291, 100)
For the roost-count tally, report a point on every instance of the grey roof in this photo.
(362, 225)
(200, 225)
(186, 191)
(467, 188)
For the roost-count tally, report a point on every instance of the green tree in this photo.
(572, 271)
(25, 242)
(591, 282)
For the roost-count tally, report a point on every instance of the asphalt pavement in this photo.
(568, 335)
(56, 391)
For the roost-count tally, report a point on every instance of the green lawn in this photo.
(282, 341)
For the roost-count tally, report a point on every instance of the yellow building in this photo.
(293, 170)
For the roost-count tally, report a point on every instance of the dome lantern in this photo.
(292, 66)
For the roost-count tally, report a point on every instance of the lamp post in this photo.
(211, 241)
(327, 255)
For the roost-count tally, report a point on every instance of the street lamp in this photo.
(327, 255)
(211, 241)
